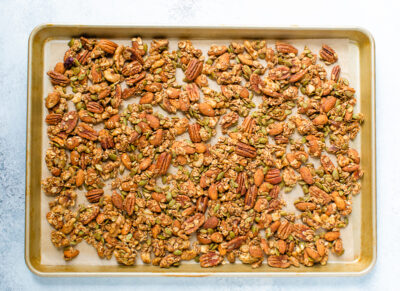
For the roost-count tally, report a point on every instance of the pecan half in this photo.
(194, 132)
(320, 195)
(335, 73)
(298, 76)
(285, 229)
(250, 198)
(285, 48)
(135, 78)
(210, 259)
(193, 92)
(235, 243)
(248, 125)
(129, 92)
(131, 69)
(86, 131)
(241, 180)
(89, 213)
(273, 176)
(86, 116)
(69, 121)
(327, 164)
(279, 261)
(202, 203)
(154, 87)
(95, 73)
(53, 118)
(255, 83)
(193, 223)
(106, 140)
(94, 107)
(328, 54)
(83, 57)
(246, 150)
(129, 203)
(279, 73)
(58, 79)
(229, 119)
(107, 46)
(163, 162)
(133, 54)
(94, 195)
(194, 69)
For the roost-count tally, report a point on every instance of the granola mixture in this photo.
(118, 115)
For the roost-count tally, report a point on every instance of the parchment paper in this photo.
(349, 63)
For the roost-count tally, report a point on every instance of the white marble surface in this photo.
(18, 18)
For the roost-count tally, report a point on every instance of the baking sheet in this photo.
(348, 60)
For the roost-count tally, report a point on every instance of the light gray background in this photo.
(18, 18)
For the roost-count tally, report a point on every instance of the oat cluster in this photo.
(173, 198)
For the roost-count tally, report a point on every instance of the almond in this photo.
(213, 192)
(206, 109)
(332, 235)
(328, 103)
(259, 177)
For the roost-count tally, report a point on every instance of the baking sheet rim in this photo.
(364, 271)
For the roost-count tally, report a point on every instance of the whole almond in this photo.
(200, 147)
(145, 163)
(320, 119)
(320, 247)
(332, 235)
(341, 205)
(147, 98)
(306, 175)
(211, 222)
(303, 206)
(153, 121)
(353, 154)
(213, 192)
(156, 139)
(206, 109)
(117, 200)
(313, 254)
(154, 87)
(275, 129)
(80, 178)
(52, 99)
(258, 177)
(74, 157)
(173, 93)
(282, 245)
(126, 161)
(328, 103)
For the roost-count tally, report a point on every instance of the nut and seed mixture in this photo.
(117, 115)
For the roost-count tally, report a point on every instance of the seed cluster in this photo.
(229, 194)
